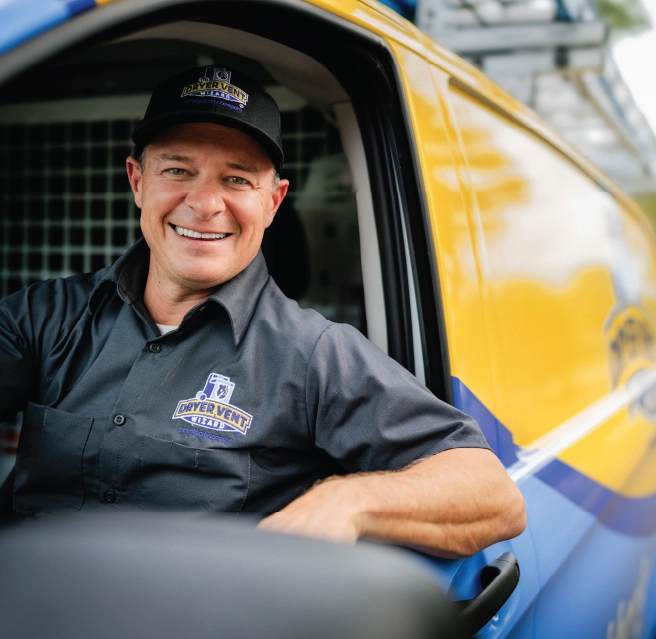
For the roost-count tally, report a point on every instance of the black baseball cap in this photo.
(214, 94)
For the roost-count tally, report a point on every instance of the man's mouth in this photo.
(195, 235)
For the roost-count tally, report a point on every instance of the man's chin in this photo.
(203, 273)
(204, 283)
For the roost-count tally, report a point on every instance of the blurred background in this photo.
(585, 66)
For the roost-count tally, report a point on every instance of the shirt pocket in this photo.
(177, 477)
(49, 461)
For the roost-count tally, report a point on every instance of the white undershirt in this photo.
(164, 329)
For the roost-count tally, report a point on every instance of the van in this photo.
(430, 210)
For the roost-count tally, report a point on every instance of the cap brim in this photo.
(145, 131)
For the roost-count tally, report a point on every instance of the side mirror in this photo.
(175, 575)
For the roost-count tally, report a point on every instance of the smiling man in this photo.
(182, 378)
(207, 195)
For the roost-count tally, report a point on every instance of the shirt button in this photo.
(119, 420)
(109, 496)
(155, 348)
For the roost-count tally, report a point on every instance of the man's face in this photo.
(206, 194)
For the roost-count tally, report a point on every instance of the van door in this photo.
(568, 283)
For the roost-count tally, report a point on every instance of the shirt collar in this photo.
(238, 296)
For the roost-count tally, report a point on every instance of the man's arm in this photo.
(452, 504)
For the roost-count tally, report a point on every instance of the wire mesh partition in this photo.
(66, 206)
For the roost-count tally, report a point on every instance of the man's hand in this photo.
(452, 504)
(327, 511)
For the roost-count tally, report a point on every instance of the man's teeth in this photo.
(196, 235)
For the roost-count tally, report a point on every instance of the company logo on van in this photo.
(211, 408)
(630, 328)
(216, 84)
(631, 343)
(631, 336)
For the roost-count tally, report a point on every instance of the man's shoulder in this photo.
(305, 328)
(286, 317)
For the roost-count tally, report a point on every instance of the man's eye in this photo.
(237, 180)
(176, 171)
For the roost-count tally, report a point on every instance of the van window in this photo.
(66, 205)
(553, 254)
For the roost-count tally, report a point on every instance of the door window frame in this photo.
(370, 75)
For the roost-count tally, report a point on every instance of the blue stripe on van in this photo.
(23, 19)
(78, 6)
(497, 435)
(634, 516)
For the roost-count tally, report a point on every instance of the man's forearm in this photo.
(452, 504)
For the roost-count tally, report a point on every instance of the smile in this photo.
(196, 235)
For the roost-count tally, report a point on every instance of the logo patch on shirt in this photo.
(211, 408)
(216, 84)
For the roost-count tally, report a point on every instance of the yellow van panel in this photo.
(573, 309)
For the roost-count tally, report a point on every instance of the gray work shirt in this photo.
(242, 408)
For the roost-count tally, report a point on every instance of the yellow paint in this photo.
(569, 272)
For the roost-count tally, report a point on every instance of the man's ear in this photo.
(133, 167)
(277, 196)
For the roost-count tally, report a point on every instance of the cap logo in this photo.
(216, 84)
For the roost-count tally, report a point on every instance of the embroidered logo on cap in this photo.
(211, 407)
(216, 84)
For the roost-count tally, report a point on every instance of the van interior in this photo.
(67, 206)
(350, 240)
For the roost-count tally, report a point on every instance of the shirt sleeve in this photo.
(369, 413)
(17, 370)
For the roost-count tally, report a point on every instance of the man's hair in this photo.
(140, 156)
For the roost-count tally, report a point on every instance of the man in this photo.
(182, 378)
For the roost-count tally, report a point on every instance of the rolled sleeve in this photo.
(369, 413)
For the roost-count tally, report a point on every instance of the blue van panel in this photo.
(582, 532)
(460, 577)
(634, 516)
(497, 435)
(78, 6)
(23, 19)
(576, 553)
(599, 589)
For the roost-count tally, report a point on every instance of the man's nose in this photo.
(205, 198)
